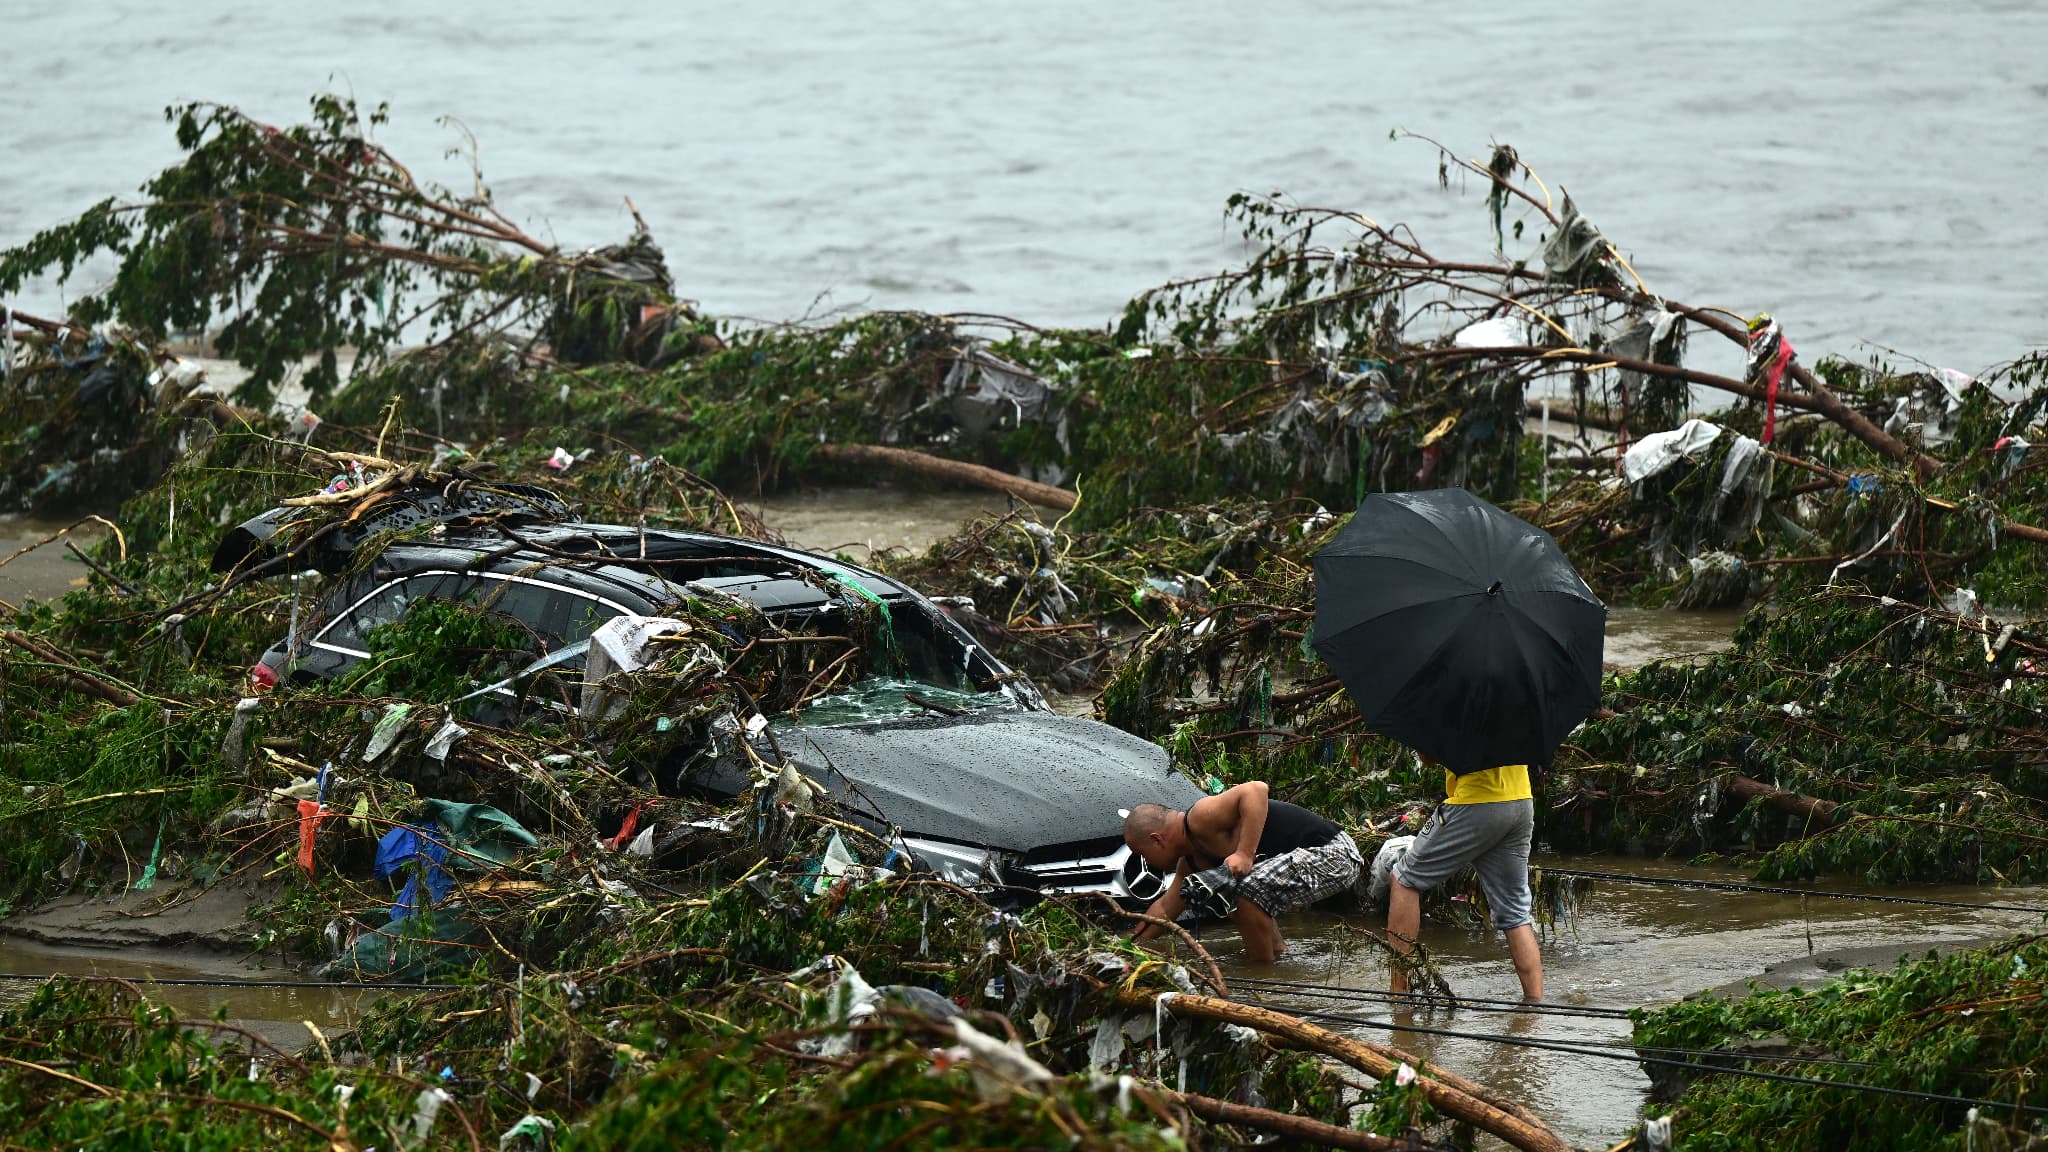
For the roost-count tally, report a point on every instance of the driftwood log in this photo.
(1814, 811)
(952, 471)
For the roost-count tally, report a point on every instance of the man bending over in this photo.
(1286, 858)
(1486, 821)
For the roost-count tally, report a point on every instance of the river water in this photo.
(1868, 170)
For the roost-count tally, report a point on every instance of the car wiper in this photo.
(941, 709)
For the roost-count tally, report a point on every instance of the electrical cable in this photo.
(1734, 886)
(1751, 1073)
(194, 982)
(1476, 1003)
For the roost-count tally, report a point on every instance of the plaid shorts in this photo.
(1299, 878)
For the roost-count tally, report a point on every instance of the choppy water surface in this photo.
(1866, 169)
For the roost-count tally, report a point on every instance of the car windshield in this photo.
(888, 698)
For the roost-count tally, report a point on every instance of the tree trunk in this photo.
(1452, 1095)
(1283, 1124)
(1745, 789)
(955, 471)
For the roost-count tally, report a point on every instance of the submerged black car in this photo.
(959, 758)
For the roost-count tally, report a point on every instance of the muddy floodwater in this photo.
(1630, 945)
(197, 985)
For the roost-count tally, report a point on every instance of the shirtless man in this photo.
(1287, 858)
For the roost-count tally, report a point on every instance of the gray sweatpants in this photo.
(1493, 838)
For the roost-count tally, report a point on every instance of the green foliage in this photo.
(289, 246)
(1893, 711)
(439, 650)
(91, 1066)
(892, 1098)
(1965, 1024)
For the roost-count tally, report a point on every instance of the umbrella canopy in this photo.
(1461, 631)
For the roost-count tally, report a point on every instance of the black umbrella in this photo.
(1461, 631)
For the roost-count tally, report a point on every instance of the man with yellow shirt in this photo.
(1486, 820)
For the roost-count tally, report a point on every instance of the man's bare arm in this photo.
(1250, 801)
(1168, 907)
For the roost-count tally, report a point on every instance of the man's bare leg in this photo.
(1528, 960)
(1262, 942)
(1404, 927)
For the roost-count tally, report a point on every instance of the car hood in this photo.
(1009, 780)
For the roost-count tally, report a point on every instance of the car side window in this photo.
(556, 616)
(387, 605)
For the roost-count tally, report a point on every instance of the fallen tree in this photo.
(953, 471)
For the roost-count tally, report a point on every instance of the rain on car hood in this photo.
(1008, 780)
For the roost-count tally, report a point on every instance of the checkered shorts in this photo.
(1299, 878)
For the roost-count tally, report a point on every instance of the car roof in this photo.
(652, 565)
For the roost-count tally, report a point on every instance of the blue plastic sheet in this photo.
(423, 853)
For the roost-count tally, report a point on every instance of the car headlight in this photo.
(960, 864)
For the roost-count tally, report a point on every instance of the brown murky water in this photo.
(860, 521)
(275, 1013)
(46, 572)
(1630, 945)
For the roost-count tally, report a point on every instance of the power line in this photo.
(1751, 1073)
(1735, 886)
(1476, 1003)
(193, 982)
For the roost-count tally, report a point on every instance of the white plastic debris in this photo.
(425, 1110)
(791, 788)
(833, 865)
(533, 1129)
(390, 727)
(233, 747)
(1660, 450)
(999, 1067)
(444, 738)
(560, 460)
(1499, 332)
(1381, 885)
(1108, 1046)
(620, 644)
(849, 1000)
(643, 844)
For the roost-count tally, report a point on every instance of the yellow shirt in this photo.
(1508, 782)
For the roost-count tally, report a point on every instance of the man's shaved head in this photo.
(1146, 819)
(1149, 831)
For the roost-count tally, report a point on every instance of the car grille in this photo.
(1104, 866)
